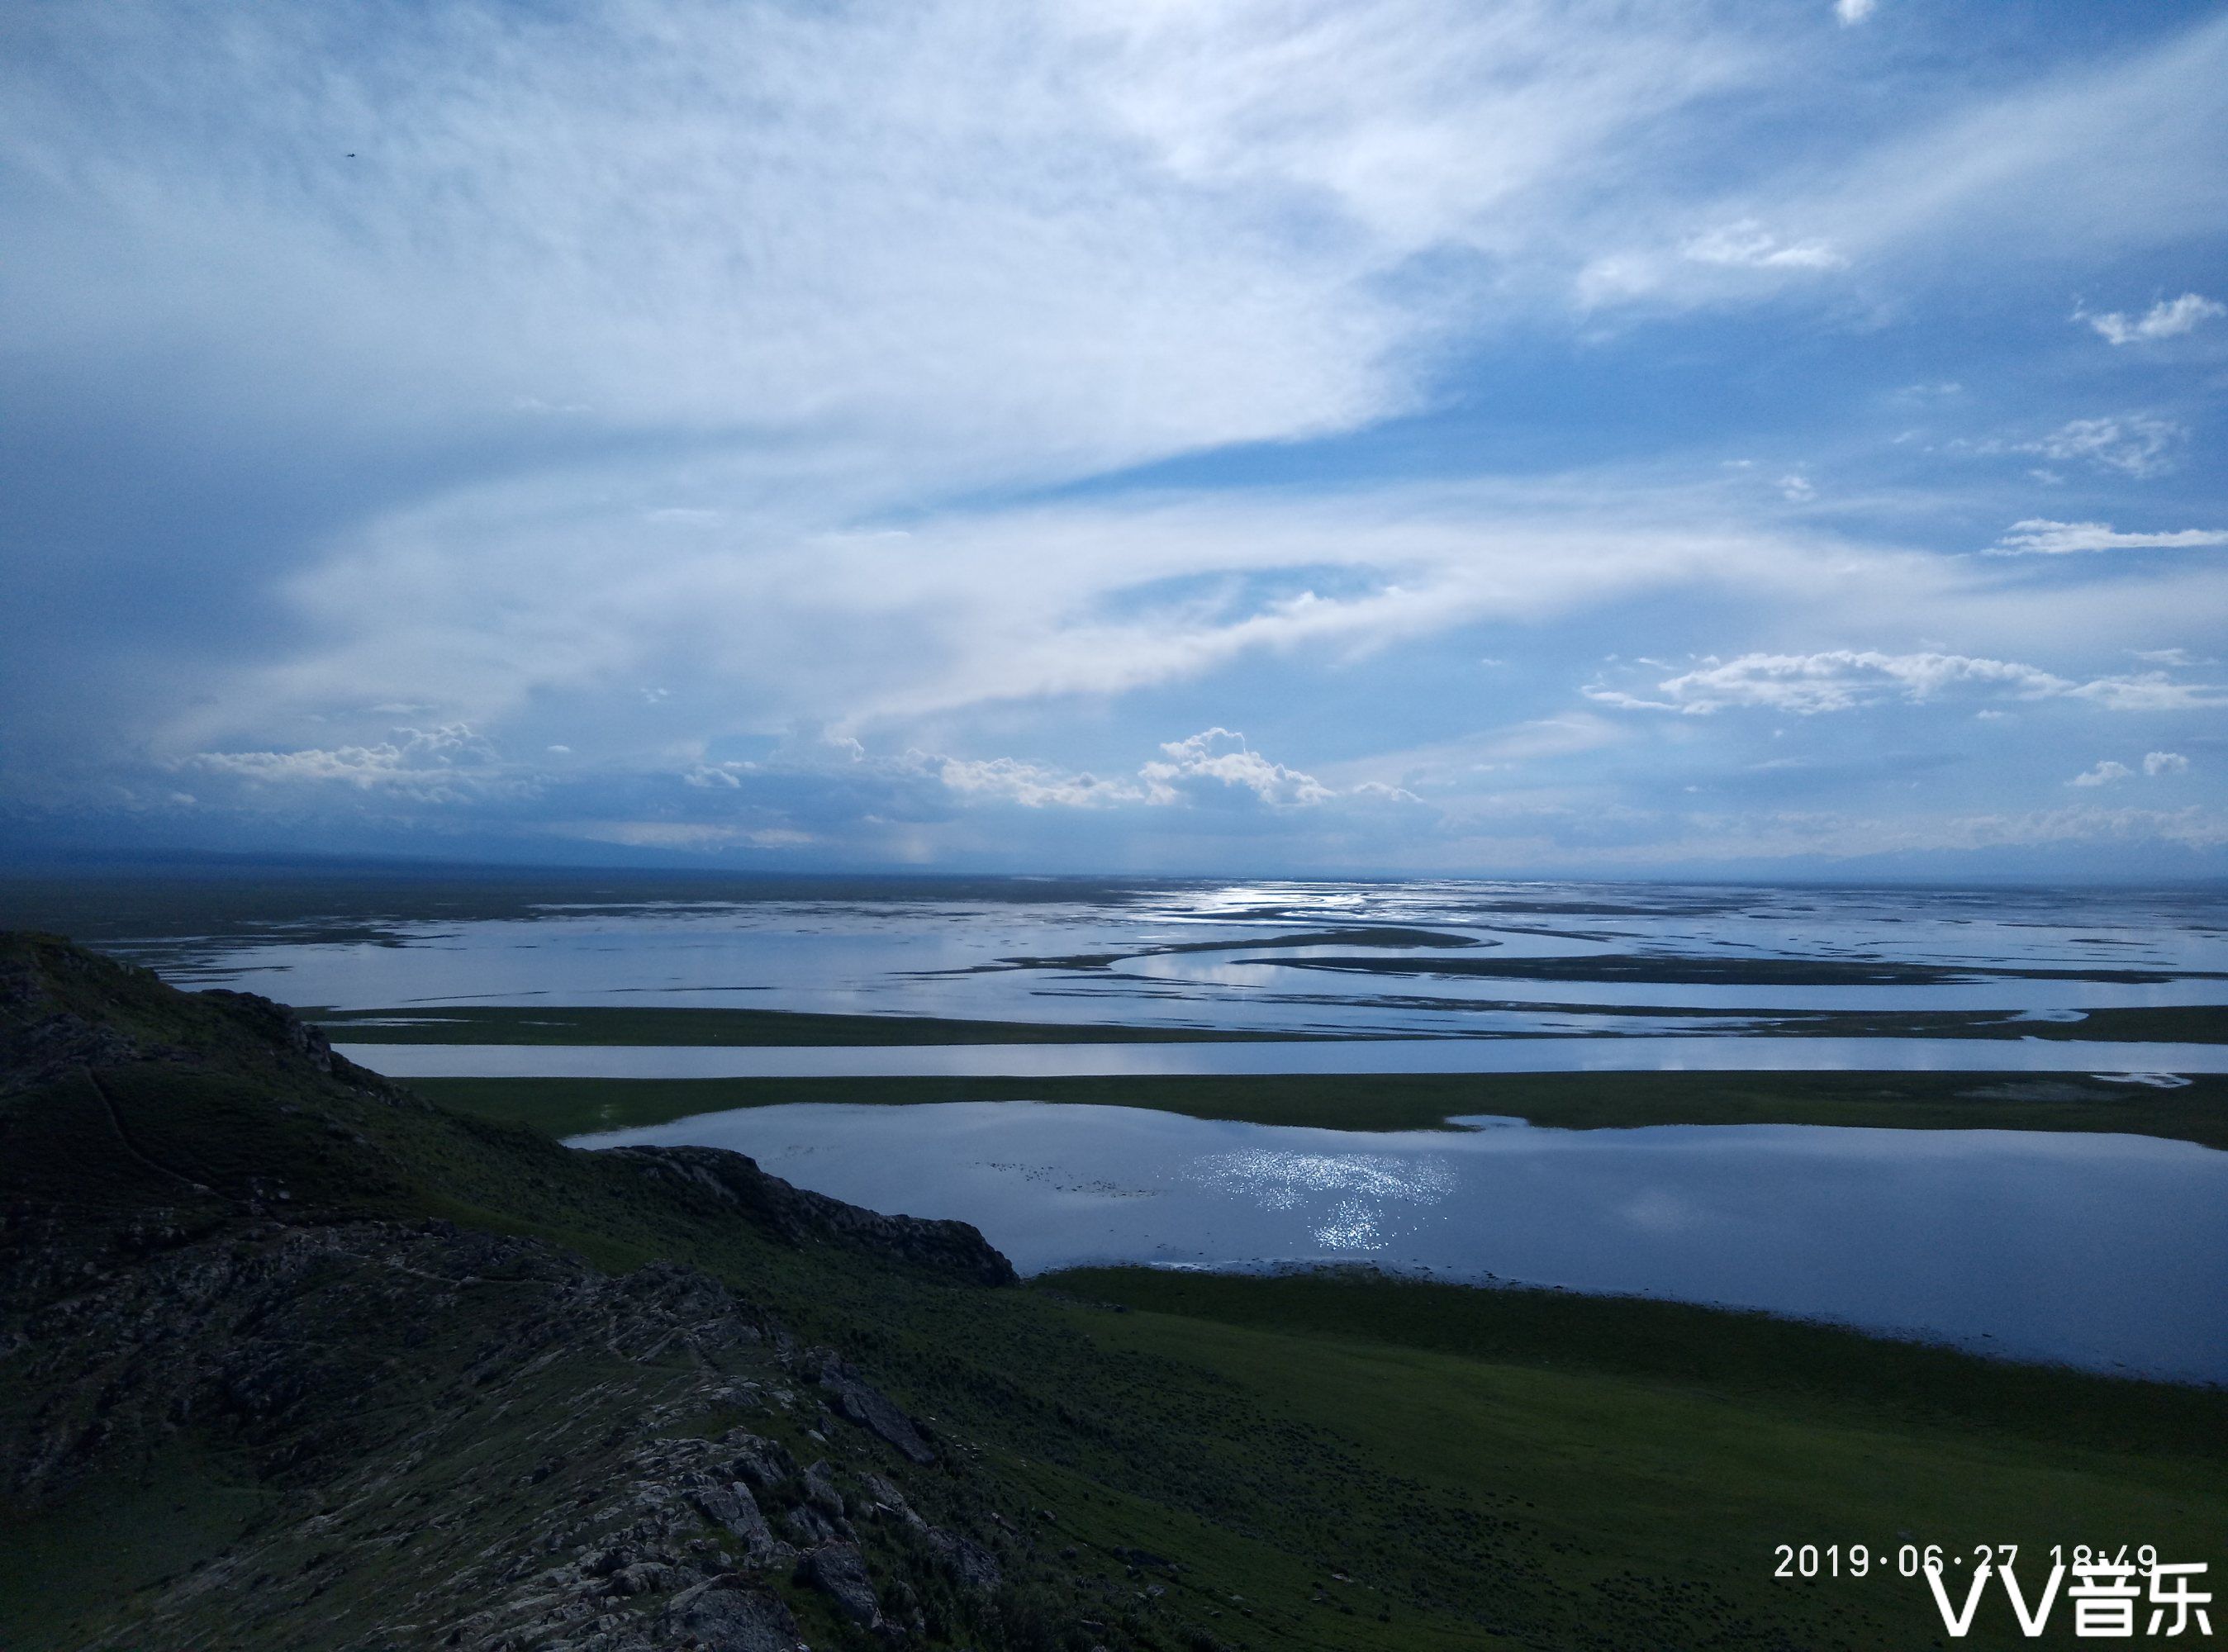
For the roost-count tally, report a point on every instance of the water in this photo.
(2138, 1061)
(907, 953)
(2108, 1251)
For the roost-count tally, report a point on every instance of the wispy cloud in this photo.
(1207, 767)
(1747, 245)
(1840, 680)
(2169, 318)
(1033, 785)
(2041, 536)
(2134, 445)
(429, 762)
(2103, 775)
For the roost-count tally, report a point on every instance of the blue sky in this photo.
(1417, 436)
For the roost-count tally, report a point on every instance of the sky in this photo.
(1781, 436)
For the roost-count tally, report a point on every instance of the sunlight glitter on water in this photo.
(1278, 1179)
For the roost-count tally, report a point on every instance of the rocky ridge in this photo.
(428, 1434)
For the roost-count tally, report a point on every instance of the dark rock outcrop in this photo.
(839, 1571)
(728, 1613)
(854, 1400)
(734, 1182)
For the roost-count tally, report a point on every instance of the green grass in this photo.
(1751, 1358)
(1610, 1503)
(2196, 1113)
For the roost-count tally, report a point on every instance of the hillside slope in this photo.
(263, 1388)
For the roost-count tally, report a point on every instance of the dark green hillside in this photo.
(291, 1357)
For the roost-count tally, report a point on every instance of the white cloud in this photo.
(1033, 786)
(1797, 489)
(1854, 11)
(944, 247)
(1844, 680)
(2169, 318)
(2155, 764)
(2055, 167)
(681, 835)
(1457, 764)
(2040, 535)
(868, 633)
(2103, 775)
(1222, 755)
(413, 759)
(2134, 446)
(1202, 767)
(1747, 245)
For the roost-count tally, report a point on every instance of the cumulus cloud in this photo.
(1222, 757)
(2040, 535)
(2169, 318)
(1844, 680)
(2158, 763)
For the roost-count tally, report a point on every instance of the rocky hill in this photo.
(275, 1375)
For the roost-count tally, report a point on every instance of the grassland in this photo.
(1654, 1456)
(2195, 1112)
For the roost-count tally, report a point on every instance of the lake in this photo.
(2109, 1251)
